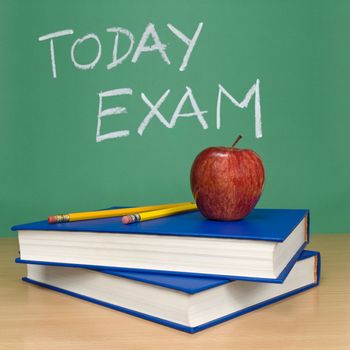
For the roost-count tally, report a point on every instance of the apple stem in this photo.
(238, 138)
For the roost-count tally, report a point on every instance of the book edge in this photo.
(169, 323)
(229, 278)
(221, 281)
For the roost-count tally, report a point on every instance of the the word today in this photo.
(117, 59)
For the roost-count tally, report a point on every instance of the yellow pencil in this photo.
(89, 215)
(155, 214)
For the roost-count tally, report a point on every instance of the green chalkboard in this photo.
(78, 80)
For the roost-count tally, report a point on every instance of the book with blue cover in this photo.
(262, 247)
(189, 304)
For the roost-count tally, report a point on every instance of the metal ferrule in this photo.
(135, 218)
(62, 218)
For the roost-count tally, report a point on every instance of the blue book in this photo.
(262, 247)
(186, 303)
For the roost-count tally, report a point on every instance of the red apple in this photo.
(227, 182)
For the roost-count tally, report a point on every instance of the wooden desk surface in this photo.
(35, 318)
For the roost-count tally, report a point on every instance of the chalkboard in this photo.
(107, 103)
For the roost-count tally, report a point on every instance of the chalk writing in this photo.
(150, 42)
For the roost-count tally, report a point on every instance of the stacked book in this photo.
(182, 271)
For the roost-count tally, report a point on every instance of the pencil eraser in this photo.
(126, 219)
(51, 219)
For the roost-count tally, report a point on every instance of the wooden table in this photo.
(35, 318)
